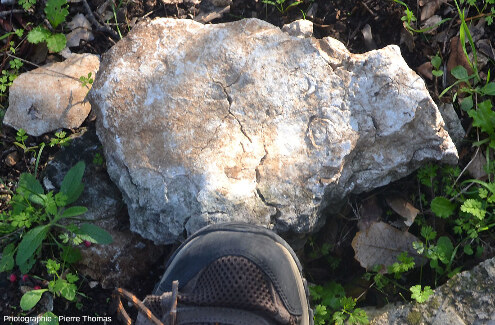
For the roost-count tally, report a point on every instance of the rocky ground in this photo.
(360, 25)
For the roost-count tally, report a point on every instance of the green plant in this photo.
(436, 62)
(85, 81)
(60, 139)
(36, 217)
(21, 138)
(9, 75)
(333, 305)
(281, 6)
(56, 11)
(349, 314)
(482, 12)
(409, 20)
(27, 4)
(98, 159)
(420, 295)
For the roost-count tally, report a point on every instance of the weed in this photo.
(409, 20)
(85, 81)
(35, 222)
(56, 11)
(333, 305)
(281, 6)
(60, 139)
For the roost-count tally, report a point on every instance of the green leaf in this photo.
(468, 250)
(444, 249)
(52, 266)
(56, 11)
(74, 211)
(56, 42)
(71, 185)
(68, 291)
(71, 278)
(26, 266)
(49, 318)
(484, 117)
(428, 233)
(436, 61)
(71, 254)
(474, 207)
(38, 35)
(442, 207)
(358, 316)
(28, 184)
(7, 261)
(31, 298)
(30, 243)
(467, 103)
(437, 73)
(420, 295)
(459, 72)
(95, 234)
(489, 89)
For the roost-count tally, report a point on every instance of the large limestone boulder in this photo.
(243, 122)
(467, 298)
(51, 97)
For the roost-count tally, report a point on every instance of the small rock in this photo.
(12, 159)
(38, 111)
(452, 123)
(93, 284)
(301, 28)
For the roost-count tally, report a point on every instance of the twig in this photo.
(99, 27)
(9, 12)
(38, 66)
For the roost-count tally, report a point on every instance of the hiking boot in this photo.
(231, 274)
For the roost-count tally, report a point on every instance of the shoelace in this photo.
(122, 314)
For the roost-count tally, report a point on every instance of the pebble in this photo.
(12, 159)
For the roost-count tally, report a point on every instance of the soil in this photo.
(341, 19)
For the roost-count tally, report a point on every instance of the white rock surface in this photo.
(301, 28)
(51, 97)
(240, 121)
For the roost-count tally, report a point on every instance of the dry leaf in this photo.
(486, 48)
(476, 167)
(432, 22)
(429, 8)
(456, 58)
(407, 38)
(381, 244)
(425, 70)
(403, 208)
(369, 213)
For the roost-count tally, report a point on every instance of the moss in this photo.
(434, 303)
(414, 318)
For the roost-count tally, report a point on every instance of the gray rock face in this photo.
(467, 298)
(51, 97)
(242, 122)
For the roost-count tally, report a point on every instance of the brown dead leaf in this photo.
(403, 208)
(369, 213)
(381, 243)
(476, 167)
(457, 57)
(429, 8)
(425, 70)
